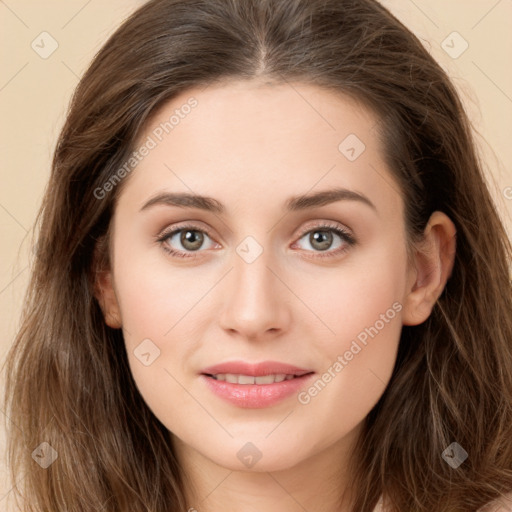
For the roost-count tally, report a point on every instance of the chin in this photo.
(247, 457)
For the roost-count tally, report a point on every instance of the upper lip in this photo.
(255, 369)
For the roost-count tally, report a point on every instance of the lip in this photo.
(255, 396)
(255, 369)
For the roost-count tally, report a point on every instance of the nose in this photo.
(257, 303)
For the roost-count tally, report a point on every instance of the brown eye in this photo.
(320, 239)
(329, 240)
(191, 240)
(185, 241)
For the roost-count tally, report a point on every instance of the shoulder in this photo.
(503, 504)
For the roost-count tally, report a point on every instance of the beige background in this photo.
(34, 93)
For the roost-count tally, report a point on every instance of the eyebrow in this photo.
(297, 203)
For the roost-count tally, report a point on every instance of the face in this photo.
(296, 266)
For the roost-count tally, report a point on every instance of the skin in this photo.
(251, 146)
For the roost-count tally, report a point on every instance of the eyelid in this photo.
(170, 230)
(345, 234)
(326, 224)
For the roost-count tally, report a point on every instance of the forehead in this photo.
(260, 140)
(244, 113)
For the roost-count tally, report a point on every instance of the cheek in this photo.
(153, 296)
(163, 315)
(352, 298)
(361, 305)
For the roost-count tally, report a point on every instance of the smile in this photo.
(255, 392)
(250, 379)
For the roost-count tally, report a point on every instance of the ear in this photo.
(104, 285)
(434, 258)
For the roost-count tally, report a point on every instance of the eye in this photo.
(190, 238)
(328, 236)
(184, 241)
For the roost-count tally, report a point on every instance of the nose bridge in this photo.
(254, 298)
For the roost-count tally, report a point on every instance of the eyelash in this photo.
(343, 234)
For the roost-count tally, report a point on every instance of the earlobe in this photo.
(106, 296)
(103, 285)
(434, 260)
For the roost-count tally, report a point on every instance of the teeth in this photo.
(248, 379)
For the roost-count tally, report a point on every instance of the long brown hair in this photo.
(68, 380)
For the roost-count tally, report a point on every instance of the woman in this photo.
(269, 276)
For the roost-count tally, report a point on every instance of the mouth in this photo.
(257, 385)
(233, 378)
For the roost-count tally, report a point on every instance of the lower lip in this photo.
(256, 396)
